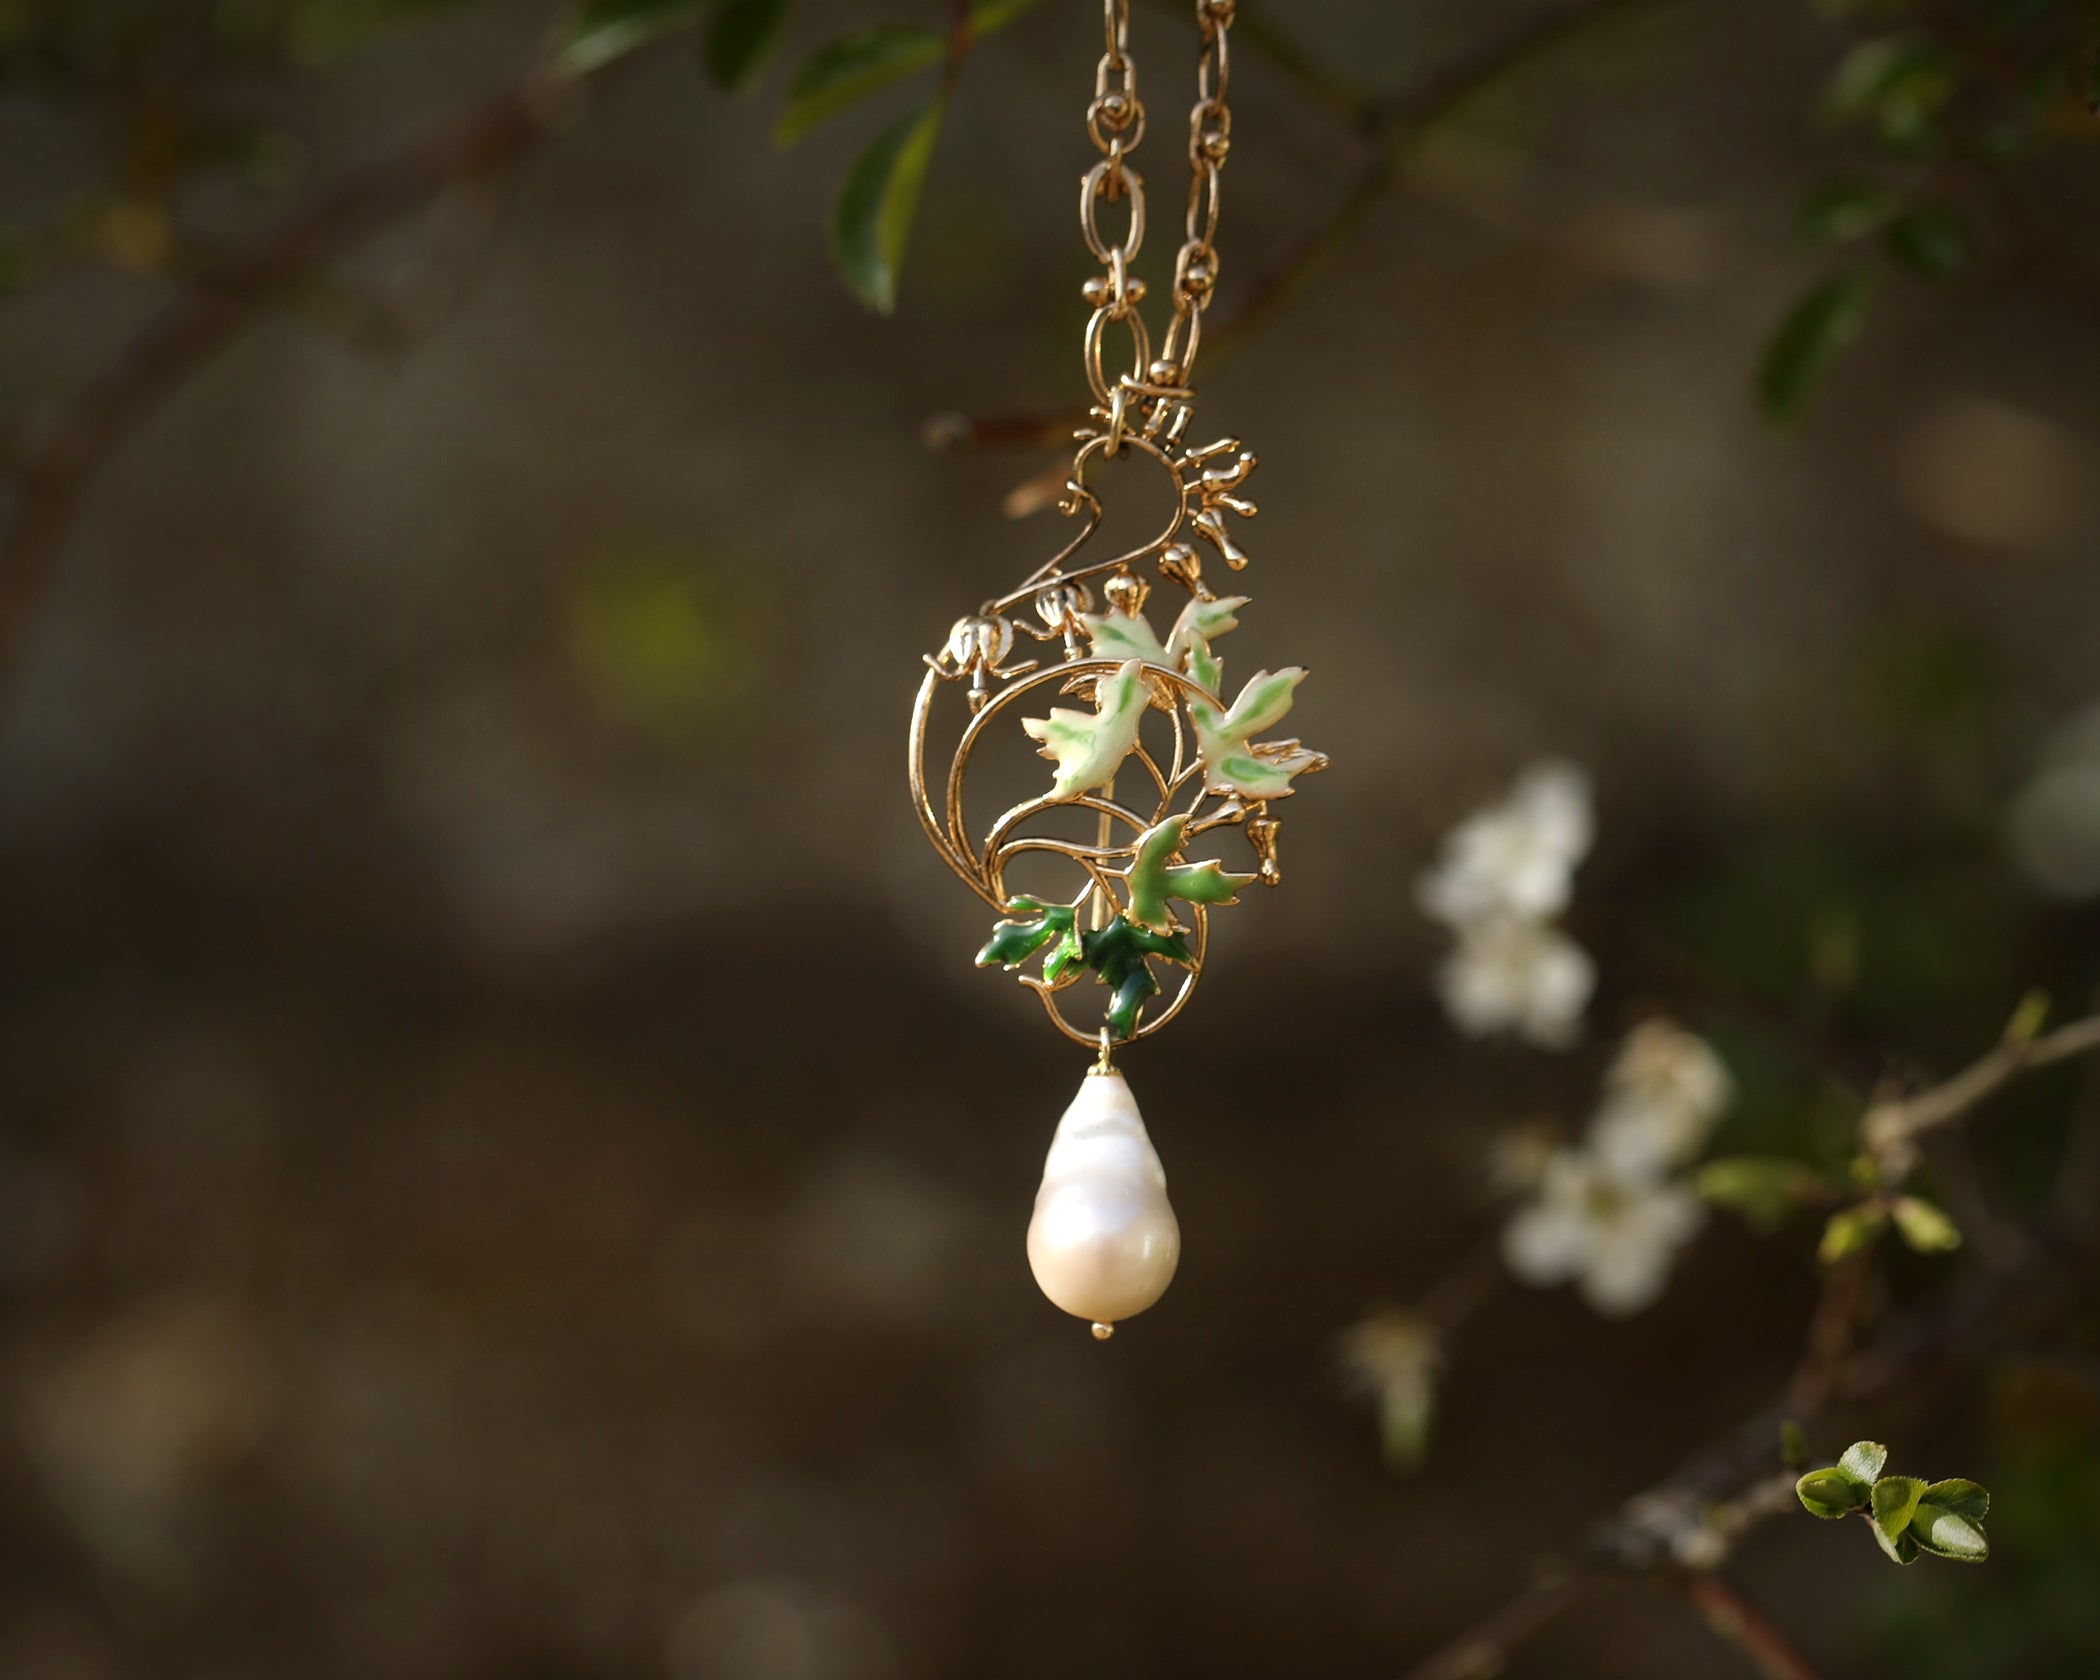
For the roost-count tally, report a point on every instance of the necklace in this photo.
(1096, 876)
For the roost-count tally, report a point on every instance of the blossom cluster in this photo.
(1610, 1214)
(1505, 876)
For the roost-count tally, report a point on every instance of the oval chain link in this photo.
(1115, 122)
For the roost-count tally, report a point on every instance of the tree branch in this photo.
(1891, 1129)
(55, 463)
(1734, 1619)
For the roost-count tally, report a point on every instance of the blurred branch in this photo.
(1395, 126)
(1734, 1619)
(1891, 1129)
(55, 464)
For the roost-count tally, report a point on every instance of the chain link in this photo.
(1115, 121)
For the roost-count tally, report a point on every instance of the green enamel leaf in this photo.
(744, 37)
(1816, 330)
(871, 219)
(843, 72)
(1204, 667)
(1205, 620)
(1829, 1494)
(1947, 1534)
(1034, 925)
(1230, 763)
(1863, 1461)
(1118, 955)
(1963, 1498)
(606, 30)
(1116, 635)
(1923, 1226)
(1154, 878)
(1089, 747)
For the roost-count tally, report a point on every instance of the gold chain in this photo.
(1115, 121)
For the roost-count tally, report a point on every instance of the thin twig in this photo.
(1483, 1649)
(1738, 1622)
(58, 460)
(1891, 1129)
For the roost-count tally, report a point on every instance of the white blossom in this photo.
(2053, 827)
(1613, 1235)
(1517, 858)
(1507, 974)
(1662, 1097)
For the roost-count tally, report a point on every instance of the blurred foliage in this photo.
(661, 640)
(1936, 97)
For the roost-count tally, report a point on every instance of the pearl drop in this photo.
(1104, 1242)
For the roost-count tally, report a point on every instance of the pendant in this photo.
(1112, 873)
(1104, 1241)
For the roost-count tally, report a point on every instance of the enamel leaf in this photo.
(1230, 764)
(1089, 747)
(1154, 878)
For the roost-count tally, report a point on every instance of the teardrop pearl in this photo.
(1104, 1242)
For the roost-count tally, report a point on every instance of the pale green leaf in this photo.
(1850, 1231)
(606, 30)
(871, 220)
(1829, 1494)
(1230, 763)
(1089, 747)
(1864, 1461)
(1119, 635)
(1948, 1534)
(1204, 667)
(1207, 619)
(1923, 1226)
(1154, 878)
(1964, 1498)
(1764, 1189)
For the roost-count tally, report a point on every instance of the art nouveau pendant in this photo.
(1111, 874)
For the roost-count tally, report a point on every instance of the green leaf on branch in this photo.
(871, 219)
(1864, 1461)
(1893, 1504)
(1154, 878)
(1899, 84)
(1793, 1445)
(1924, 1227)
(1764, 1189)
(1934, 243)
(744, 37)
(1830, 1494)
(1851, 1231)
(607, 30)
(1841, 210)
(2029, 1018)
(841, 73)
(1034, 925)
(1815, 332)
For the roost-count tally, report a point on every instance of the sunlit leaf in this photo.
(1811, 337)
(1864, 1461)
(871, 220)
(1764, 1189)
(743, 39)
(1923, 1226)
(1850, 1231)
(1829, 1494)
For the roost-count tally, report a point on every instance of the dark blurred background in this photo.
(506, 1169)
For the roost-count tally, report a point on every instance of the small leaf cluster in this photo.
(1908, 1515)
(1927, 99)
(1119, 952)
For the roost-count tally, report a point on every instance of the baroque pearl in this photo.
(1104, 1242)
